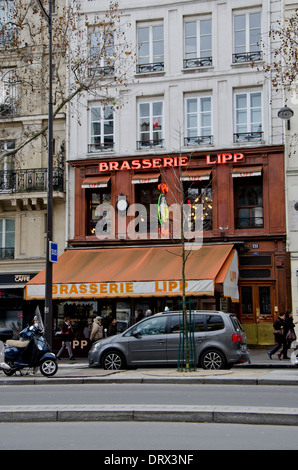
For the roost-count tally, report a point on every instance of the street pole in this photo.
(48, 307)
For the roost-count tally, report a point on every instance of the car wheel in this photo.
(213, 360)
(113, 360)
(48, 367)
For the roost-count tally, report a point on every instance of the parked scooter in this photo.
(29, 352)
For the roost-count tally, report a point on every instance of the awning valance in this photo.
(136, 272)
(247, 171)
(145, 178)
(195, 175)
(96, 181)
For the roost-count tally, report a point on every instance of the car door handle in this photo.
(161, 341)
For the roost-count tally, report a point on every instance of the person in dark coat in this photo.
(112, 330)
(278, 331)
(66, 336)
(288, 327)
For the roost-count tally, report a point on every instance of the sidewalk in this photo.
(261, 371)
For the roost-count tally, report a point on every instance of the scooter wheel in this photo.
(9, 372)
(48, 367)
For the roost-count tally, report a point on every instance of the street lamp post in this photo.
(48, 308)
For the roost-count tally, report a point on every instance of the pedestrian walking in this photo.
(66, 336)
(278, 331)
(289, 332)
(97, 330)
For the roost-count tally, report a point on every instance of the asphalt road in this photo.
(113, 437)
(150, 394)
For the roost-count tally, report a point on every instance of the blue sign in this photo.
(53, 254)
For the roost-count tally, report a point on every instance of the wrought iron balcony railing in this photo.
(6, 253)
(240, 57)
(148, 68)
(248, 137)
(199, 140)
(148, 144)
(13, 181)
(198, 62)
(105, 147)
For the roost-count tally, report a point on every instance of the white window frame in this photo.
(103, 60)
(153, 118)
(248, 45)
(199, 53)
(153, 61)
(8, 90)
(200, 134)
(3, 235)
(249, 109)
(102, 145)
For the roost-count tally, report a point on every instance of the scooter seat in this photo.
(17, 343)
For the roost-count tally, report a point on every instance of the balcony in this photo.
(198, 62)
(6, 253)
(30, 180)
(149, 68)
(248, 137)
(199, 140)
(106, 71)
(8, 110)
(105, 147)
(149, 144)
(241, 57)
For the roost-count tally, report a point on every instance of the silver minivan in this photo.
(219, 340)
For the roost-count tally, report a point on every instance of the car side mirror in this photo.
(136, 334)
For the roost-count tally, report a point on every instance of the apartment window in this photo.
(196, 193)
(7, 235)
(8, 95)
(151, 126)
(248, 116)
(102, 52)
(96, 198)
(7, 177)
(247, 36)
(150, 48)
(198, 121)
(198, 43)
(249, 202)
(101, 129)
(7, 28)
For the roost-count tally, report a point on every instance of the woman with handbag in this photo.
(278, 331)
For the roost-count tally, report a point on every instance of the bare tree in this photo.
(90, 56)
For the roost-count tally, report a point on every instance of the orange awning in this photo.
(96, 181)
(131, 272)
(145, 178)
(247, 171)
(195, 175)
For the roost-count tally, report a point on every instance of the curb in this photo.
(222, 380)
(190, 414)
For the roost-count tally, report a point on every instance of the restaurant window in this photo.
(196, 193)
(7, 238)
(94, 199)
(151, 125)
(198, 121)
(249, 202)
(198, 43)
(248, 117)
(147, 196)
(247, 36)
(101, 129)
(150, 48)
